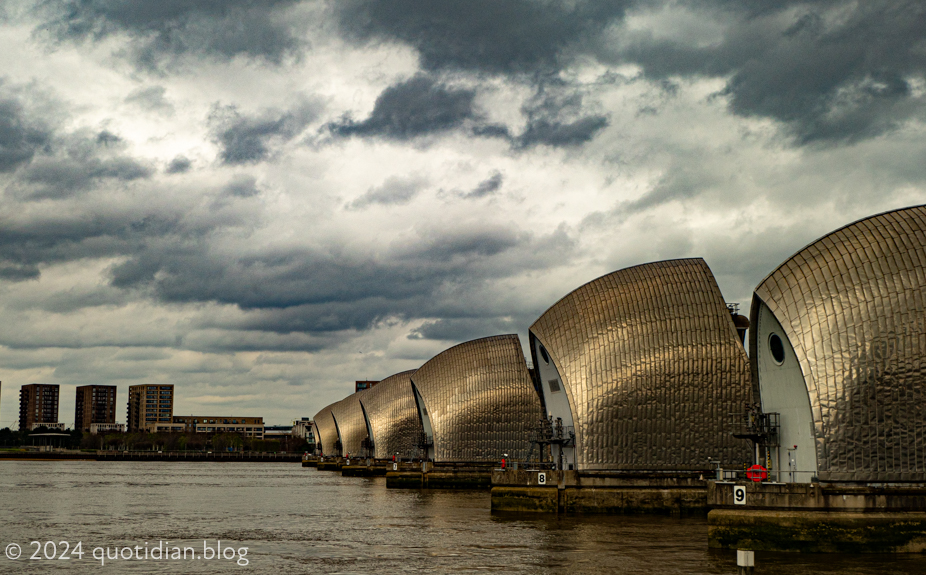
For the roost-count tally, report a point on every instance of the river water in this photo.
(282, 518)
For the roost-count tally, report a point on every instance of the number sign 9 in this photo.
(739, 494)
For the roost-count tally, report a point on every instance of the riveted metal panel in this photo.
(652, 367)
(352, 427)
(480, 399)
(390, 407)
(327, 432)
(852, 305)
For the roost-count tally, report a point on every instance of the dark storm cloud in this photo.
(416, 107)
(76, 168)
(516, 36)
(179, 165)
(423, 106)
(486, 187)
(394, 191)
(166, 29)
(326, 290)
(561, 134)
(831, 71)
(556, 116)
(21, 134)
(247, 140)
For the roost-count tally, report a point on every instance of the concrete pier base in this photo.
(330, 465)
(818, 518)
(363, 470)
(573, 492)
(439, 476)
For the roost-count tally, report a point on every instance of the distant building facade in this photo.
(95, 404)
(100, 428)
(38, 405)
(361, 385)
(247, 426)
(150, 404)
(303, 428)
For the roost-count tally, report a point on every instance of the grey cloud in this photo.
(557, 117)
(468, 328)
(394, 191)
(319, 290)
(246, 140)
(21, 135)
(486, 187)
(165, 30)
(59, 177)
(19, 273)
(179, 165)
(561, 134)
(152, 99)
(422, 106)
(517, 36)
(242, 186)
(830, 71)
(416, 107)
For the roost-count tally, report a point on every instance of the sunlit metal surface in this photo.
(852, 304)
(327, 432)
(390, 407)
(652, 367)
(352, 427)
(480, 399)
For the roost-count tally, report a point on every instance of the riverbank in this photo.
(185, 456)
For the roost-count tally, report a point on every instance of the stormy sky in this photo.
(261, 201)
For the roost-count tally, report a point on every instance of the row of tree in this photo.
(143, 441)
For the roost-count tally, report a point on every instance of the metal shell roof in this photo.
(390, 407)
(327, 432)
(480, 399)
(652, 367)
(352, 427)
(853, 306)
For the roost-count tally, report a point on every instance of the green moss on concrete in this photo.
(525, 499)
(616, 501)
(817, 531)
(458, 480)
(404, 480)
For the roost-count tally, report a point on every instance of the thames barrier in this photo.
(640, 397)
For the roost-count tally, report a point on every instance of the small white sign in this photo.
(541, 479)
(739, 494)
(395, 466)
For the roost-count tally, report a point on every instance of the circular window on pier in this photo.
(543, 355)
(777, 347)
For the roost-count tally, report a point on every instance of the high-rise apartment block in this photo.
(149, 404)
(38, 405)
(95, 404)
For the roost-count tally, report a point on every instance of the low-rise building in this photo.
(247, 426)
(58, 426)
(100, 428)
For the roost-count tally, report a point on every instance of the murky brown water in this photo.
(295, 520)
